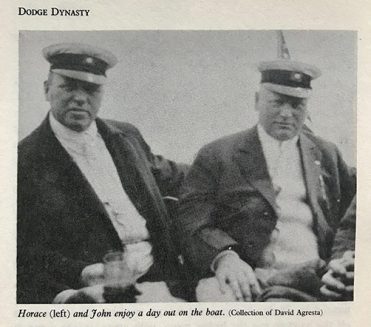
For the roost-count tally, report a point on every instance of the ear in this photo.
(46, 90)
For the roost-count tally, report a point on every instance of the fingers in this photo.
(231, 280)
(349, 289)
(349, 276)
(242, 282)
(339, 279)
(92, 274)
(228, 284)
(254, 285)
(234, 274)
(245, 287)
(348, 255)
(222, 279)
(340, 270)
(235, 286)
(246, 292)
(332, 283)
(91, 294)
(349, 265)
(334, 295)
(331, 295)
(337, 267)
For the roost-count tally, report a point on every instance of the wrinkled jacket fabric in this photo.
(63, 226)
(228, 198)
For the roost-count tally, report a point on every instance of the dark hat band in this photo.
(287, 78)
(79, 62)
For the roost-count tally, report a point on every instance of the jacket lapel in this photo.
(135, 174)
(251, 161)
(128, 165)
(311, 159)
(61, 171)
(139, 183)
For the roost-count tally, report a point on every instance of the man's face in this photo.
(281, 116)
(73, 103)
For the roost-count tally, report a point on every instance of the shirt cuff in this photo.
(63, 296)
(220, 255)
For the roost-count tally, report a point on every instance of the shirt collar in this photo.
(268, 141)
(67, 134)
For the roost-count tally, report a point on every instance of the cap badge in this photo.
(297, 77)
(89, 60)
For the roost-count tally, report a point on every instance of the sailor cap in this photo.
(288, 77)
(80, 61)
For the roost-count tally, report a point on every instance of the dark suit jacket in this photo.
(63, 226)
(228, 198)
(346, 233)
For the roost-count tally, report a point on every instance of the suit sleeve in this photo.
(340, 181)
(201, 240)
(346, 232)
(348, 184)
(169, 175)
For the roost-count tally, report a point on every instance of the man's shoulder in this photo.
(122, 127)
(229, 143)
(231, 139)
(322, 144)
(32, 142)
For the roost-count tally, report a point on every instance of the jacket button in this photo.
(265, 213)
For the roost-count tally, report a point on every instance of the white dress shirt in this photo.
(89, 152)
(293, 240)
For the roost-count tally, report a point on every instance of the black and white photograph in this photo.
(186, 166)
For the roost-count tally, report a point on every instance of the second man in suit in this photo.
(260, 207)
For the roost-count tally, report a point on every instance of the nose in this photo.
(80, 96)
(286, 111)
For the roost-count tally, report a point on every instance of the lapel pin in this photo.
(323, 191)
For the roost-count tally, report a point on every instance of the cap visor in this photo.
(82, 76)
(296, 92)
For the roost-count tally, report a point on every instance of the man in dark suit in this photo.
(87, 186)
(260, 207)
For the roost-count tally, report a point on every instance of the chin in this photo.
(284, 136)
(78, 126)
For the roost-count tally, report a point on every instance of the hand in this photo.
(339, 279)
(232, 272)
(91, 294)
(93, 274)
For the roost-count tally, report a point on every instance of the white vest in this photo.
(90, 154)
(293, 240)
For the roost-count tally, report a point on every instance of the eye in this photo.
(92, 89)
(298, 106)
(67, 87)
(277, 103)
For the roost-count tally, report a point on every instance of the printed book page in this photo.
(184, 74)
